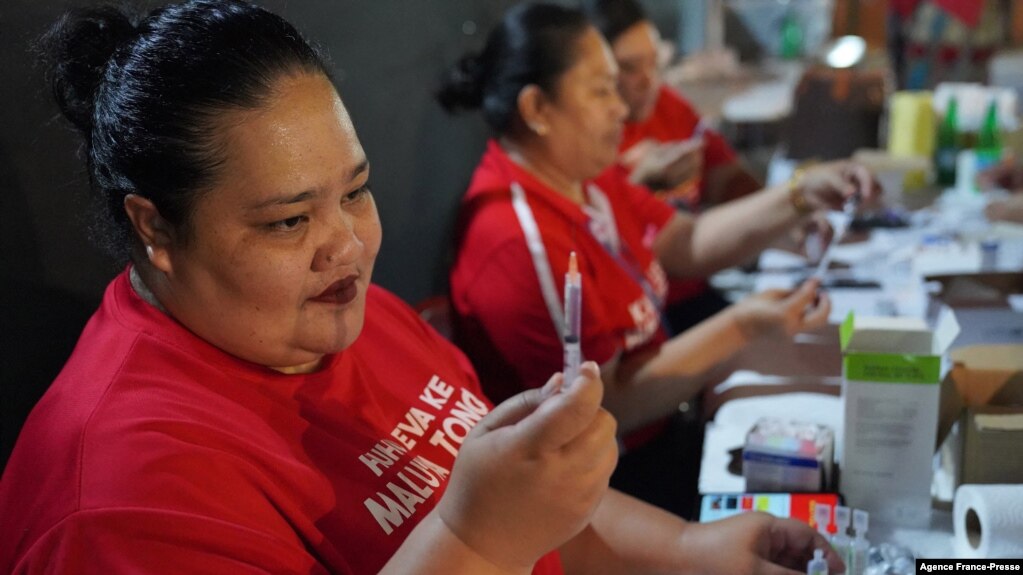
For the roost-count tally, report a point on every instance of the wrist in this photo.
(741, 324)
(459, 555)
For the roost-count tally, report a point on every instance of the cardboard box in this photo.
(984, 289)
(790, 456)
(980, 425)
(891, 383)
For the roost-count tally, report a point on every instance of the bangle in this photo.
(796, 197)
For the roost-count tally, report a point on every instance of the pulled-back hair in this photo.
(613, 17)
(146, 95)
(533, 44)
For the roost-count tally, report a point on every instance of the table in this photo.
(726, 433)
(802, 380)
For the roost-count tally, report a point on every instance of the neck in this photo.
(539, 165)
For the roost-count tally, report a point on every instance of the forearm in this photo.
(726, 235)
(627, 536)
(642, 388)
(432, 548)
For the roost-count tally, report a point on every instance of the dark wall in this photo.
(388, 56)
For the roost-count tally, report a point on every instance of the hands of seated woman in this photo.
(755, 543)
(813, 237)
(1007, 174)
(828, 186)
(785, 312)
(1010, 210)
(532, 472)
(663, 166)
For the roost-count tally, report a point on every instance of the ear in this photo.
(150, 227)
(533, 104)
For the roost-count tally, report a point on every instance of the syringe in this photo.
(573, 320)
(842, 226)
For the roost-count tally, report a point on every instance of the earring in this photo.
(149, 251)
(540, 129)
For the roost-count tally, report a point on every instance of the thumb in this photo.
(806, 292)
(516, 408)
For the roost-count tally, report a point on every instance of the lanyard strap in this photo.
(614, 247)
(539, 254)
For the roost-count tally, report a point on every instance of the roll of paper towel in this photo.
(988, 521)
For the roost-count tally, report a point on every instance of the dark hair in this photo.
(146, 95)
(533, 44)
(613, 17)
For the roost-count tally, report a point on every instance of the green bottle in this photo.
(989, 140)
(946, 148)
(791, 37)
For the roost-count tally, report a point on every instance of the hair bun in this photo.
(462, 88)
(78, 47)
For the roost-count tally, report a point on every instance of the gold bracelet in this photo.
(796, 197)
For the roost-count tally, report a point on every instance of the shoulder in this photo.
(673, 98)
(393, 327)
(673, 107)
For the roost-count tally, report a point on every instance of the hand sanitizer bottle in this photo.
(860, 545)
(840, 540)
(817, 565)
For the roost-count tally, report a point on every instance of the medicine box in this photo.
(788, 456)
(891, 380)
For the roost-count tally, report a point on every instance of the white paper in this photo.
(988, 521)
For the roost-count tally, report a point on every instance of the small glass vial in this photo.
(817, 565)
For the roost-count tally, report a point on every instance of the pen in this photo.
(573, 320)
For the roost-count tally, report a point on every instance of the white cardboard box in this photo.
(891, 381)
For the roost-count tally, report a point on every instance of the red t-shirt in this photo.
(502, 319)
(155, 452)
(673, 119)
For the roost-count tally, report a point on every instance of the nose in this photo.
(339, 244)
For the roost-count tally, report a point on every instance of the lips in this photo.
(341, 292)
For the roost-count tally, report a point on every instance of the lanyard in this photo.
(607, 236)
(612, 243)
(539, 255)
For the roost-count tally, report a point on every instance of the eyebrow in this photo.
(355, 172)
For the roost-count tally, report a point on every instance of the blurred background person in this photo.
(681, 159)
(547, 85)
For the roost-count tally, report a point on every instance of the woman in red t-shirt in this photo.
(546, 83)
(245, 401)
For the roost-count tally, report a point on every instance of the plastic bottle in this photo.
(989, 139)
(817, 565)
(840, 541)
(860, 545)
(822, 517)
(947, 145)
(791, 37)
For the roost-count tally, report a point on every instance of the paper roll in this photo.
(988, 521)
